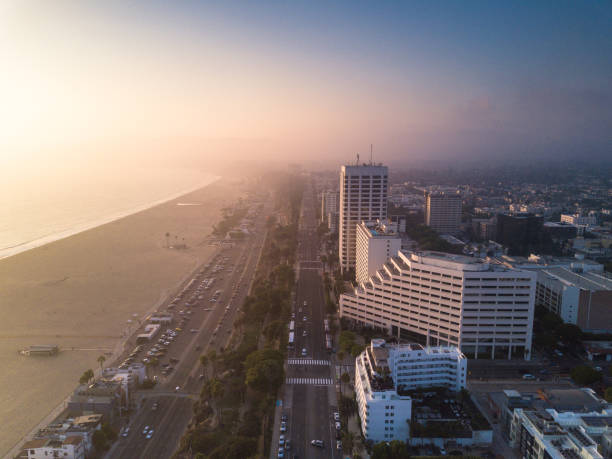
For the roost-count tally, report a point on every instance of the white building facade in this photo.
(363, 197)
(382, 369)
(441, 299)
(376, 242)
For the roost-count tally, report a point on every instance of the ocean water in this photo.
(38, 207)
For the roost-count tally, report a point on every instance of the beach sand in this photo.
(80, 292)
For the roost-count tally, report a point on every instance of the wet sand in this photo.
(80, 292)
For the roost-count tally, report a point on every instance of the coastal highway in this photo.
(309, 394)
(174, 410)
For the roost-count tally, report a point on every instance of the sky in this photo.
(197, 82)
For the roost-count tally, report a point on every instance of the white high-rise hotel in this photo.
(363, 197)
(443, 299)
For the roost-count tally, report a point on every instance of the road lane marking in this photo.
(310, 381)
(307, 362)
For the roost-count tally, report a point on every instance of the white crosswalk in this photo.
(310, 381)
(307, 362)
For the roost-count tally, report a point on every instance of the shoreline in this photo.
(81, 289)
(16, 249)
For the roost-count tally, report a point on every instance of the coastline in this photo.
(16, 249)
(52, 293)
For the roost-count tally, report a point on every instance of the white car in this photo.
(150, 434)
(304, 352)
(146, 429)
(281, 440)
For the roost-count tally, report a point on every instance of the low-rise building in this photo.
(66, 447)
(384, 372)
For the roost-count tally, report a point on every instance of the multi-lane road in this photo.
(309, 399)
(174, 411)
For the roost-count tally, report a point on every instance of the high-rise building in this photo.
(442, 299)
(383, 372)
(521, 233)
(376, 242)
(329, 209)
(363, 197)
(443, 211)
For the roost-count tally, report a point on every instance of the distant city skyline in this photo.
(319, 82)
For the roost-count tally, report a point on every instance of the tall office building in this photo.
(363, 197)
(329, 209)
(376, 242)
(521, 233)
(443, 211)
(436, 298)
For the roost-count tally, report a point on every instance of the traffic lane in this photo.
(165, 441)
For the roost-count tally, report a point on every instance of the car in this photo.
(145, 430)
(155, 406)
(150, 434)
(338, 444)
(318, 443)
(177, 388)
(305, 319)
(283, 427)
(281, 440)
(528, 377)
(338, 426)
(305, 304)
(336, 416)
(598, 369)
(193, 330)
(304, 352)
(125, 432)
(304, 333)
(281, 452)
(287, 445)
(284, 418)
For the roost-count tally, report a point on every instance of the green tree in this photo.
(212, 359)
(390, 450)
(101, 360)
(583, 374)
(98, 439)
(204, 363)
(345, 378)
(87, 376)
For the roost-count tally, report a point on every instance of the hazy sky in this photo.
(307, 80)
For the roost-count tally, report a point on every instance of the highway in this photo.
(309, 398)
(174, 410)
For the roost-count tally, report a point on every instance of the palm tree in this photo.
(212, 358)
(348, 441)
(204, 363)
(101, 361)
(345, 378)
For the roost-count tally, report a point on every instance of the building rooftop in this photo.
(576, 400)
(587, 281)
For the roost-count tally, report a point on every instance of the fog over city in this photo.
(199, 81)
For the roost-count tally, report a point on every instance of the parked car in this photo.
(318, 443)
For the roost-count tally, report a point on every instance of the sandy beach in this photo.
(80, 292)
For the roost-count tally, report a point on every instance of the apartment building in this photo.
(443, 299)
(548, 434)
(443, 211)
(376, 242)
(363, 197)
(383, 373)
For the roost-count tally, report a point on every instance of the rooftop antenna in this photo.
(357, 159)
(370, 154)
